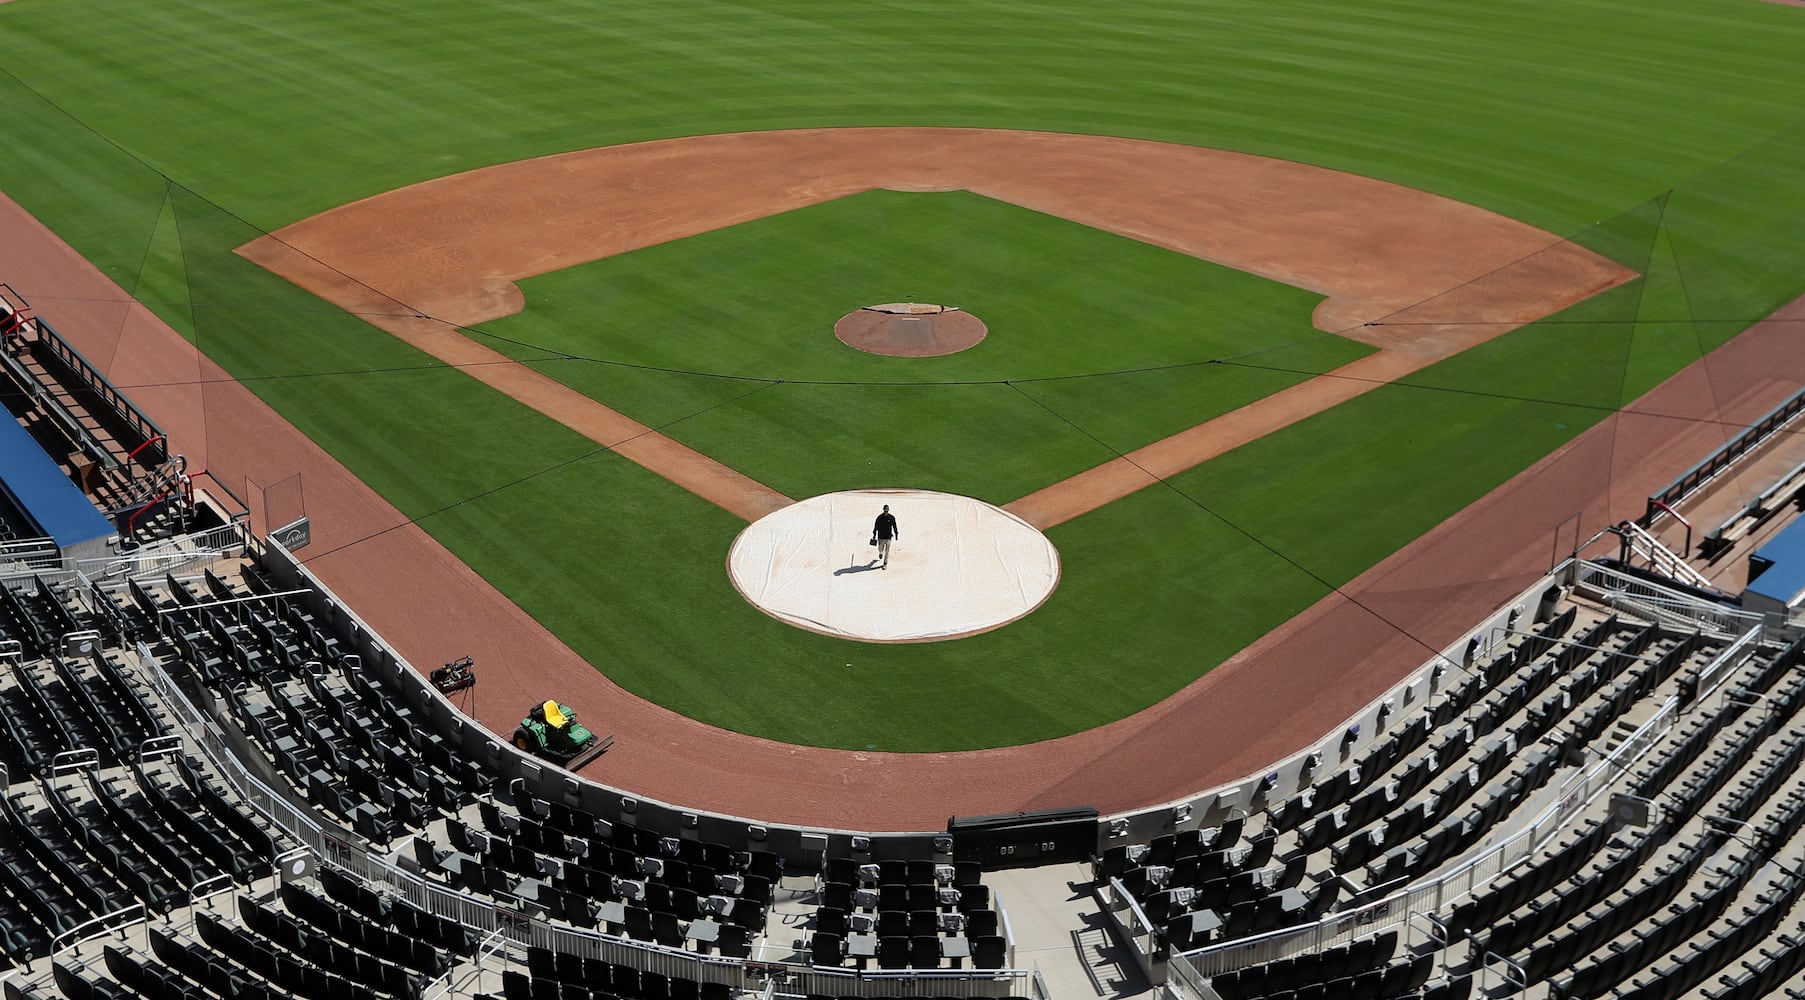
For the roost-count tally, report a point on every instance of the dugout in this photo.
(50, 504)
(1777, 573)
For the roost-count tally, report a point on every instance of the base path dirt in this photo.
(1441, 275)
(1268, 701)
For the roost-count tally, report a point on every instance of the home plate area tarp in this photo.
(959, 566)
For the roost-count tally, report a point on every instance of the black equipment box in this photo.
(1019, 839)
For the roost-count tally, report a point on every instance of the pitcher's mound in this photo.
(959, 567)
(910, 330)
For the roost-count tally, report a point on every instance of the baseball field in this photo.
(517, 267)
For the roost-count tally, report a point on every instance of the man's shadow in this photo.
(866, 568)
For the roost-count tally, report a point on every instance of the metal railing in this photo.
(91, 929)
(1694, 479)
(1184, 980)
(1132, 924)
(46, 401)
(1663, 559)
(1627, 592)
(1005, 928)
(170, 555)
(24, 556)
(908, 983)
(1729, 658)
(143, 426)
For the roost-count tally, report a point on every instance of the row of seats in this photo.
(553, 974)
(1624, 911)
(1325, 966)
(221, 642)
(89, 841)
(586, 871)
(547, 856)
(354, 961)
(1403, 978)
(829, 950)
(347, 752)
(1425, 822)
(1509, 725)
(351, 944)
(918, 914)
(35, 616)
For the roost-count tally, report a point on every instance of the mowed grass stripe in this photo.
(1506, 106)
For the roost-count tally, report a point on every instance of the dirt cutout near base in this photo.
(1431, 275)
(910, 330)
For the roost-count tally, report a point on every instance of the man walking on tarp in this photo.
(882, 534)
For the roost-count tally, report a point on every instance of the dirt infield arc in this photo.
(1442, 275)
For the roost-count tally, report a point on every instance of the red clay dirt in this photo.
(910, 330)
(1268, 701)
(1442, 274)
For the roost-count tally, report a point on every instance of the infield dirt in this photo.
(1419, 276)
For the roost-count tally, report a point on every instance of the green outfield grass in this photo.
(157, 137)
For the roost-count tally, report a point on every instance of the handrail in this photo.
(225, 601)
(1134, 908)
(128, 411)
(1731, 657)
(133, 454)
(78, 759)
(209, 887)
(1708, 468)
(159, 746)
(1520, 980)
(167, 555)
(103, 923)
(1659, 556)
(487, 948)
(1008, 929)
(1651, 599)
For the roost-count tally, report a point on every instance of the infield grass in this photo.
(156, 137)
(725, 342)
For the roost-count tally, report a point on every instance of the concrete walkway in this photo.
(1059, 927)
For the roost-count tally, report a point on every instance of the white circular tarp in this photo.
(959, 567)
